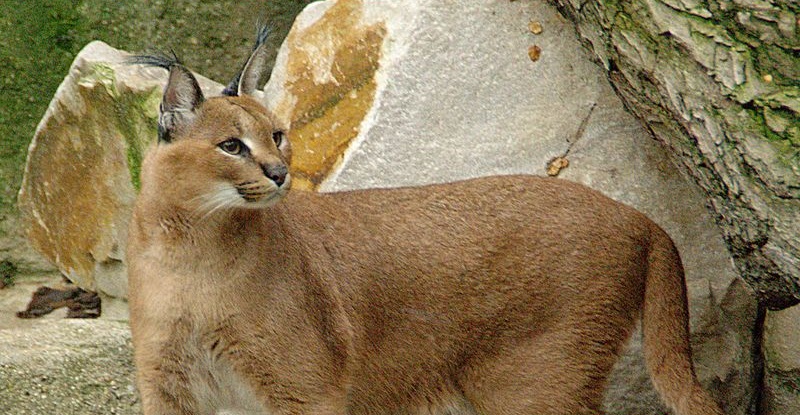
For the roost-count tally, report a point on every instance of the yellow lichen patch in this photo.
(535, 27)
(318, 145)
(534, 52)
(331, 77)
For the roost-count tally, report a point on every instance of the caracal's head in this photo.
(216, 154)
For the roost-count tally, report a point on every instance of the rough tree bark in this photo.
(718, 83)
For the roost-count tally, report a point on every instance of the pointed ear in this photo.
(182, 93)
(252, 71)
(246, 81)
(182, 96)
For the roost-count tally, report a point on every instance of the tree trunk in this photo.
(717, 82)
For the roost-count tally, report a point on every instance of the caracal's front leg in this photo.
(161, 393)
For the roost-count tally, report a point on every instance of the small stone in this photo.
(535, 27)
(534, 52)
(767, 78)
(556, 165)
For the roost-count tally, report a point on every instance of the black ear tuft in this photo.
(159, 59)
(182, 94)
(246, 81)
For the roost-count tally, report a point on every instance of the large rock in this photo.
(82, 169)
(395, 93)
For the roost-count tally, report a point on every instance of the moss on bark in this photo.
(717, 83)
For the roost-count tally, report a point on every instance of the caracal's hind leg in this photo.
(553, 374)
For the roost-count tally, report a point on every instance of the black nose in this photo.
(276, 172)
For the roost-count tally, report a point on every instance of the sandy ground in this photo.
(55, 365)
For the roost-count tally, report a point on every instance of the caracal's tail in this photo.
(665, 325)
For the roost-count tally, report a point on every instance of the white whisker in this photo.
(227, 196)
(224, 197)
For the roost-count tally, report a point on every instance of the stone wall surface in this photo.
(432, 91)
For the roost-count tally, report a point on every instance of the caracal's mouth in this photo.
(264, 193)
(248, 195)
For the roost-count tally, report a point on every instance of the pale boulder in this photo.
(82, 169)
(396, 93)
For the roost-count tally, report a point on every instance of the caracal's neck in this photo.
(179, 235)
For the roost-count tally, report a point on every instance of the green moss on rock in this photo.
(134, 114)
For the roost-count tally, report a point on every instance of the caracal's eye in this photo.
(232, 146)
(278, 137)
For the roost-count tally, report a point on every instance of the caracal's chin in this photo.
(273, 195)
(265, 201)
(264, 197)
(263, 194)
